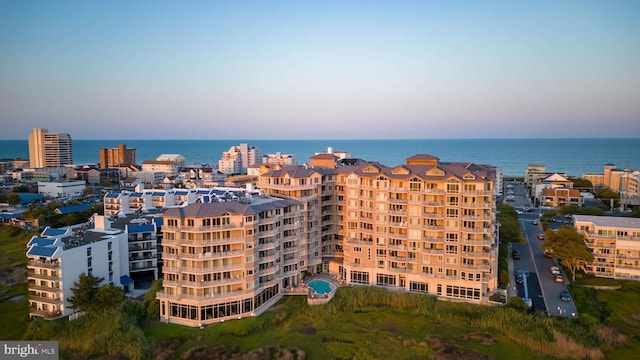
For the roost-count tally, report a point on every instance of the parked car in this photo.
(555, 270)
(559, 279)
(540, 236)
(516, 254)
(548, 252)
(564, 296)
(534, 222)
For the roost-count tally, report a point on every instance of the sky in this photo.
(320, 69)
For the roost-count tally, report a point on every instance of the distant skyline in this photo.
(320, 69)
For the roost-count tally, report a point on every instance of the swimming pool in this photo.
(321, 287)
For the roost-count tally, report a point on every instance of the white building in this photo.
(68, 189)
(58, 257)
(615, 244)
(237, 159)
(169, 168)
(279, 158)
(339, 154)
(177, 159)
(49, 149)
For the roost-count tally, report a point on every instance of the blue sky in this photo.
(320, 69)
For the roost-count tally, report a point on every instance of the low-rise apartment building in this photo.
(615, 244)
(57, 257)
(119, 250)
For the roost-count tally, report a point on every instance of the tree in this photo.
(13, 199)
(107, 296)
(582, 183)
(84, 291)
(569, 247)
(152, 304)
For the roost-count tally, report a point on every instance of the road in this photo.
(543, 290)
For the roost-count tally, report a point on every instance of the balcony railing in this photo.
(201, 227)
(47, 300)
(43, 264)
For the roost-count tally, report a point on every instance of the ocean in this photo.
(573, 157)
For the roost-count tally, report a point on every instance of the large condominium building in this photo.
(615, 243)
(226, 260)
(237, 159)
(425, 226)
(117, 157)
(49, 149)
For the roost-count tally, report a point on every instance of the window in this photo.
(88, 251)
(360, 277)
(385, 280)
(418, 287)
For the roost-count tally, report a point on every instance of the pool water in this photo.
(320, 286)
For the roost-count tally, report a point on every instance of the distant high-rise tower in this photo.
(49, 149)
(116, 157)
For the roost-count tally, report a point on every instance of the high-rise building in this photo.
(226, 260)
(117, 157)
(237, 159)
(49, 149)
(424, 226)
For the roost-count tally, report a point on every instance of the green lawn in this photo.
(360, 322)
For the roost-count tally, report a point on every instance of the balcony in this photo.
(48, 264)
(47, 289)
(477, 230)
(45, 314)
(483, 267)
(210, 283)
(434, 215)
(486, 242)
(42, 299)
(202, 242)
(200, 228)
(210, 255)
(476, 254)
(36, 276)
(477, 205)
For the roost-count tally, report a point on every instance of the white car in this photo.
(555, 270)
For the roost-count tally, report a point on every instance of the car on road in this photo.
(516, 254)
(564, 296)
(534, 222)
(520, 274)
(540, 236)
(559, 279)
(555, 270)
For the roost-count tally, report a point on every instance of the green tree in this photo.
(581, 183)
(509, 226)
(107, 296)
(569, 247)
(84, 292)
(606, 195)
(13, 199)
(518, 303)
(152, 304)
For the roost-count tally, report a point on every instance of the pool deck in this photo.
(312, 297)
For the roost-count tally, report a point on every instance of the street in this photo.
(543, 290)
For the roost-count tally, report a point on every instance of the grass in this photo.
(13, 263)
(595, 281)
(367, 323)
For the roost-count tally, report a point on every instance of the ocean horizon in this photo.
(572, 156)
